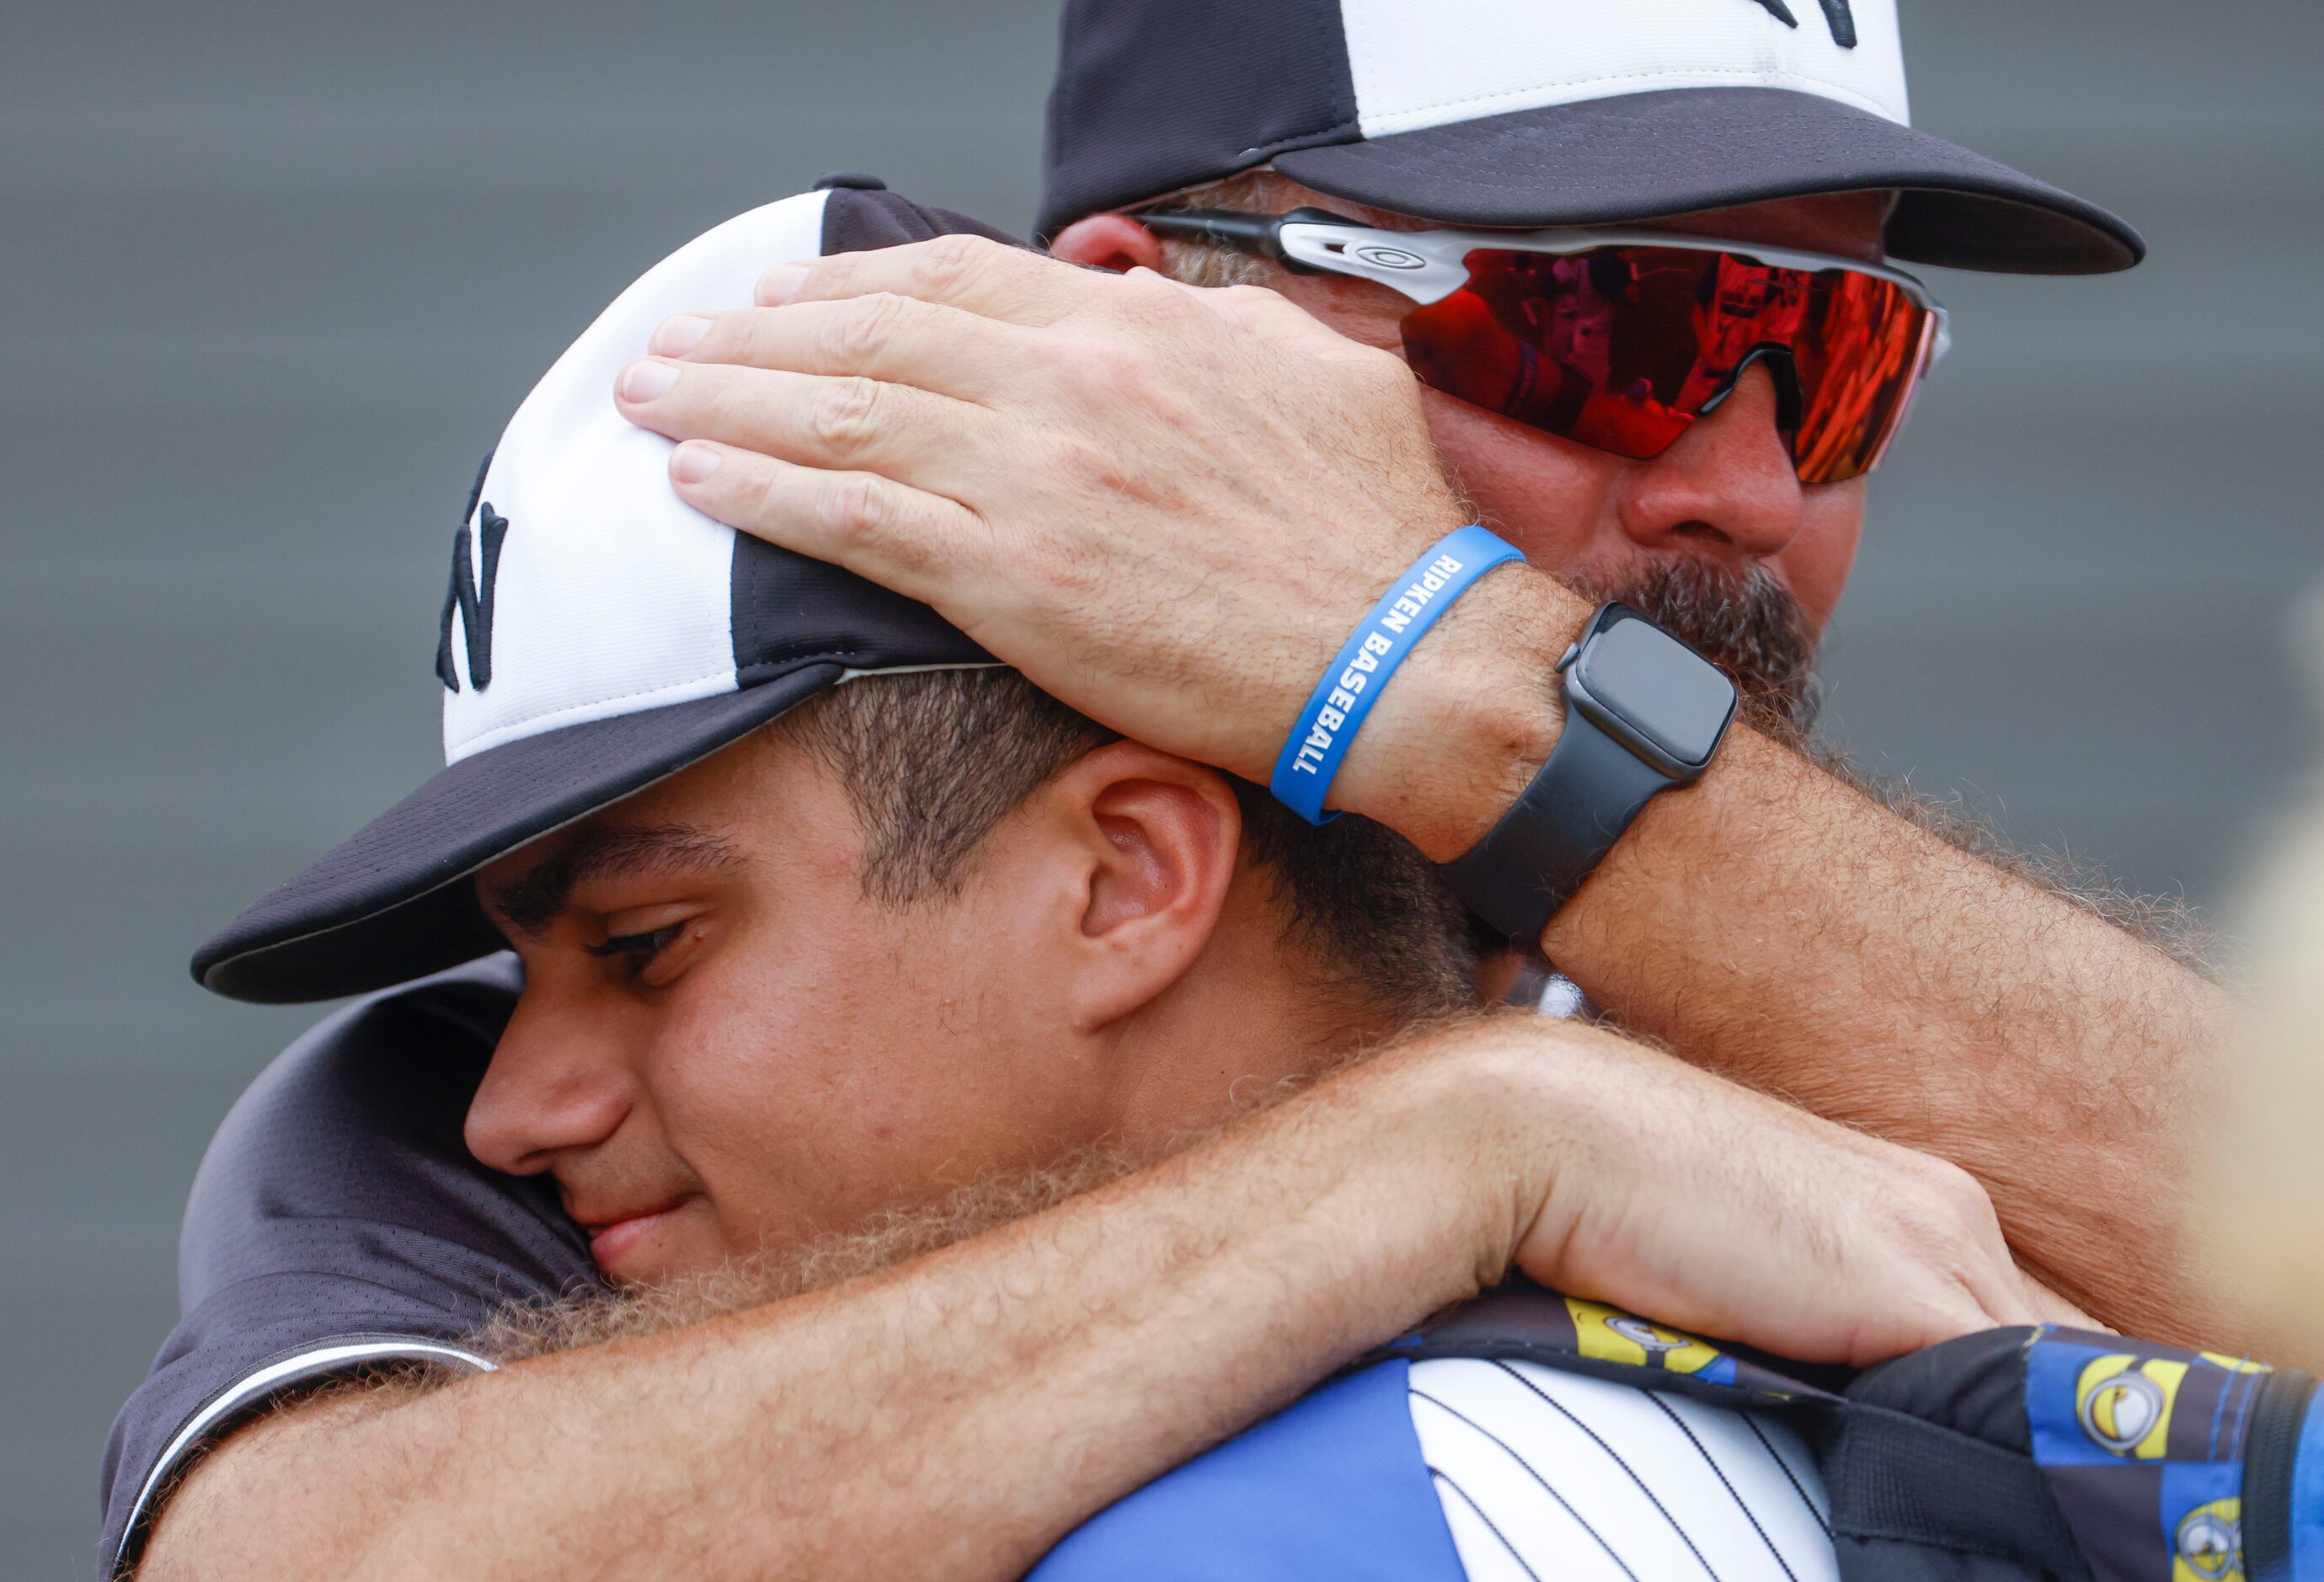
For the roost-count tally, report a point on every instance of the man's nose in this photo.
(555, 1086)
(1727, 490)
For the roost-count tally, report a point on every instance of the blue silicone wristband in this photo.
(1327, 726)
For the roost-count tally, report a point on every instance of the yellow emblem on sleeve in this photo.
(2209, 1543)
(1613, 1336)
(2124, 1404)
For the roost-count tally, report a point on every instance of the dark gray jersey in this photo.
(339, 1222)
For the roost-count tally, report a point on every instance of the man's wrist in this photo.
(1469, 717)
(1482, 1102)
(1545, 1121)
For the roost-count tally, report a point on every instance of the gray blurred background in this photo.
(272, 276)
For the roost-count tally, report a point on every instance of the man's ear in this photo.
(1109, 241)
(1153, 841)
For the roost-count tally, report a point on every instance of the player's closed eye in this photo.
(638, 952)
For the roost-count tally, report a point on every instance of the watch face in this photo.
(1660, 689)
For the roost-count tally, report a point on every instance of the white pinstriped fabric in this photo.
(1550, 1477)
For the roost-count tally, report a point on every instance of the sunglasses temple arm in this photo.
(1245, 232)
(1258, 234)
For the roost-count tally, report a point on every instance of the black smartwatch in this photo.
(1644, 712)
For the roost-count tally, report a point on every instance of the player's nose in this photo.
(1727, 490)
(556, 1084)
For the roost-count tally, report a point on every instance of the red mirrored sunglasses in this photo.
(1620, 340)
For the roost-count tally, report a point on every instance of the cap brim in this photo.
(1641, 156)
(390, 904)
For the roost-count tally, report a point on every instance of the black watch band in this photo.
(1643, 713)
(1557, 832)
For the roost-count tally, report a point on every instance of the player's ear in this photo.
(1109, 241)
(1151, 841)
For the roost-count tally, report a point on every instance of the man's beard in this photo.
(1749, 626)
(598, 1317)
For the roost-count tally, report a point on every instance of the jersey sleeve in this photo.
(338, 1223)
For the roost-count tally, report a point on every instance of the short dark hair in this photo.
(932, 761)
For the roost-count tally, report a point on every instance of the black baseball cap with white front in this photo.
(1527, 113)
(599, 635)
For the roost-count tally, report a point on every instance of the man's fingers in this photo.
(883, 336)
(2050, 1307)
(877, 528)
(848, 422)
(968, 272)
(2009, 1297)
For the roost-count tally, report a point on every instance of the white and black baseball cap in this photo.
(1524, 112)
(599, 635)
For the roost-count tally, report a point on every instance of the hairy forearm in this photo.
(1775, 925)
(953, 1417)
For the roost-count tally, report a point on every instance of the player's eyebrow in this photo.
(537, 897)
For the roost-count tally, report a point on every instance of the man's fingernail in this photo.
(780, 284)
(676, 337)
(694, 462)
(648, 380)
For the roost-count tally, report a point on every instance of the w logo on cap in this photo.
(471, 593)
(1835, 11)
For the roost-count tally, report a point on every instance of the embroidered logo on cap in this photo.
(471, 593)
(1835, 11)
